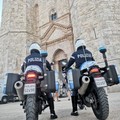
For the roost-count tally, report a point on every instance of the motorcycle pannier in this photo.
(73, 76)
(48, 84)
(111, 76)
(11, 79)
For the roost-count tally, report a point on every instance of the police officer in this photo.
(36, 59)
(80, 56)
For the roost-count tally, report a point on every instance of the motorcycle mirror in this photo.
(43, 53)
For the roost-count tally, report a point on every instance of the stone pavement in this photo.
(13, 111)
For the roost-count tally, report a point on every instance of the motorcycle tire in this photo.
(100, 105)
(31, 108)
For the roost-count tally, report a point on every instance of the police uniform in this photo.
(34, 59)
(79, 57)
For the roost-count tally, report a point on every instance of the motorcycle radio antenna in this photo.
(83, 47)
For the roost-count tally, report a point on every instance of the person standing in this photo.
(36, 59)
(80, 56)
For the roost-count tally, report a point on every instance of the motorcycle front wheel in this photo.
(100, 105)
(31, 108)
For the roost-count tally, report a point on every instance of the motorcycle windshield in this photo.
(87, 64)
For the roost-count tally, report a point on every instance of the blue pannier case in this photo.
(73, 76)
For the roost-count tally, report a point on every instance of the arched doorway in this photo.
(59, 57)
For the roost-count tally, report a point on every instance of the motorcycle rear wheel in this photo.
(31, 108)
(100, 105)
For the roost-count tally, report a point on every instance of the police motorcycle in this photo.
(32, 89)
(91, 82)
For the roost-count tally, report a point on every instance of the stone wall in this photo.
(27, 21)
(60, 6)
(58, 32)
(23, 22)
(12, 36)
(98, 22)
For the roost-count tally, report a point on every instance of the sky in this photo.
(0, 9)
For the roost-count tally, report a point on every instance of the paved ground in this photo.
(13, 111)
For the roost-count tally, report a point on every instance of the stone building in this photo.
(55, 25)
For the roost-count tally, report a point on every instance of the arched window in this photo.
(53, 15)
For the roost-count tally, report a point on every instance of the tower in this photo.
(15, 34)
(55, 30)
(98, 23)
(47, 22)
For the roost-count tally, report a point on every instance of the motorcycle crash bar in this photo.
(19, 89)
(85, 83)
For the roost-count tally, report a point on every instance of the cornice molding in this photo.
(59, 40)
(58, 19)
(18, 32)
(54, 25)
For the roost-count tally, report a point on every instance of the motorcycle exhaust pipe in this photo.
(85, 83)
(19, 89)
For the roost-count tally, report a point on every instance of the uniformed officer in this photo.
(80, 56)
(36, 59)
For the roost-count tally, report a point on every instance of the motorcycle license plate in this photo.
(100, 82)
(29, 89)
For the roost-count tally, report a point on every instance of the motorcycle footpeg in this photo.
(81, 106)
